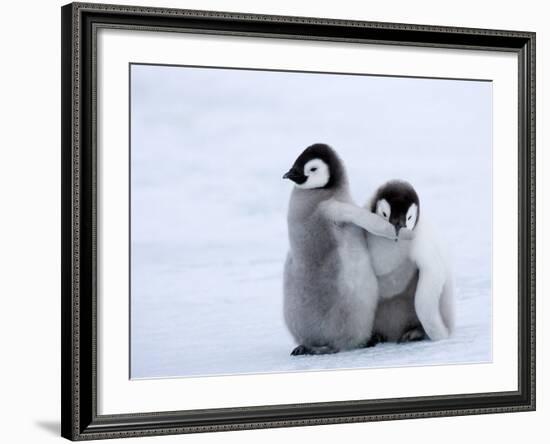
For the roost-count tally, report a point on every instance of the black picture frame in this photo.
(79, 211)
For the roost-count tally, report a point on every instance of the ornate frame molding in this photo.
(80, 420)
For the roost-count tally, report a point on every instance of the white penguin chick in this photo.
(330, 289)
(414, 279)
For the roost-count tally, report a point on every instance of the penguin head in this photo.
(317, 167)
(397, 202)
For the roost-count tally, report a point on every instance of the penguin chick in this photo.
(330, 289)
(415, 282)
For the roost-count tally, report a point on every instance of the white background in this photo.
(29, 226)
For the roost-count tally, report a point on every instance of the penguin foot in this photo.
(313, 350)
(375, 339)
(413, 334)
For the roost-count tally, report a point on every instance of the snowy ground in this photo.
(209, 239)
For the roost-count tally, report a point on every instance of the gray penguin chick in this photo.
(414, 277)
(330, 289)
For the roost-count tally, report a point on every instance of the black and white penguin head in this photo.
(317, 167)
(397, 202)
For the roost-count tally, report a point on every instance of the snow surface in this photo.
(208, 227)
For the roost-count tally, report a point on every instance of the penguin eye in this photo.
(409, 218)
(384, 213)
(313, 169)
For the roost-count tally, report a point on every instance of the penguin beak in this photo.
(398, 224)
(397, 228)
(295, 175)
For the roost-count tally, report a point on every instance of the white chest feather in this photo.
(392, 264)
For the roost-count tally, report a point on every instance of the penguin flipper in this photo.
(433, 278)
(345, 212)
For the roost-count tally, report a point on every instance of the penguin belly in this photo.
(396, 315)
(358, 285)
(397, 279)
(332, 302)
(391, 264)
